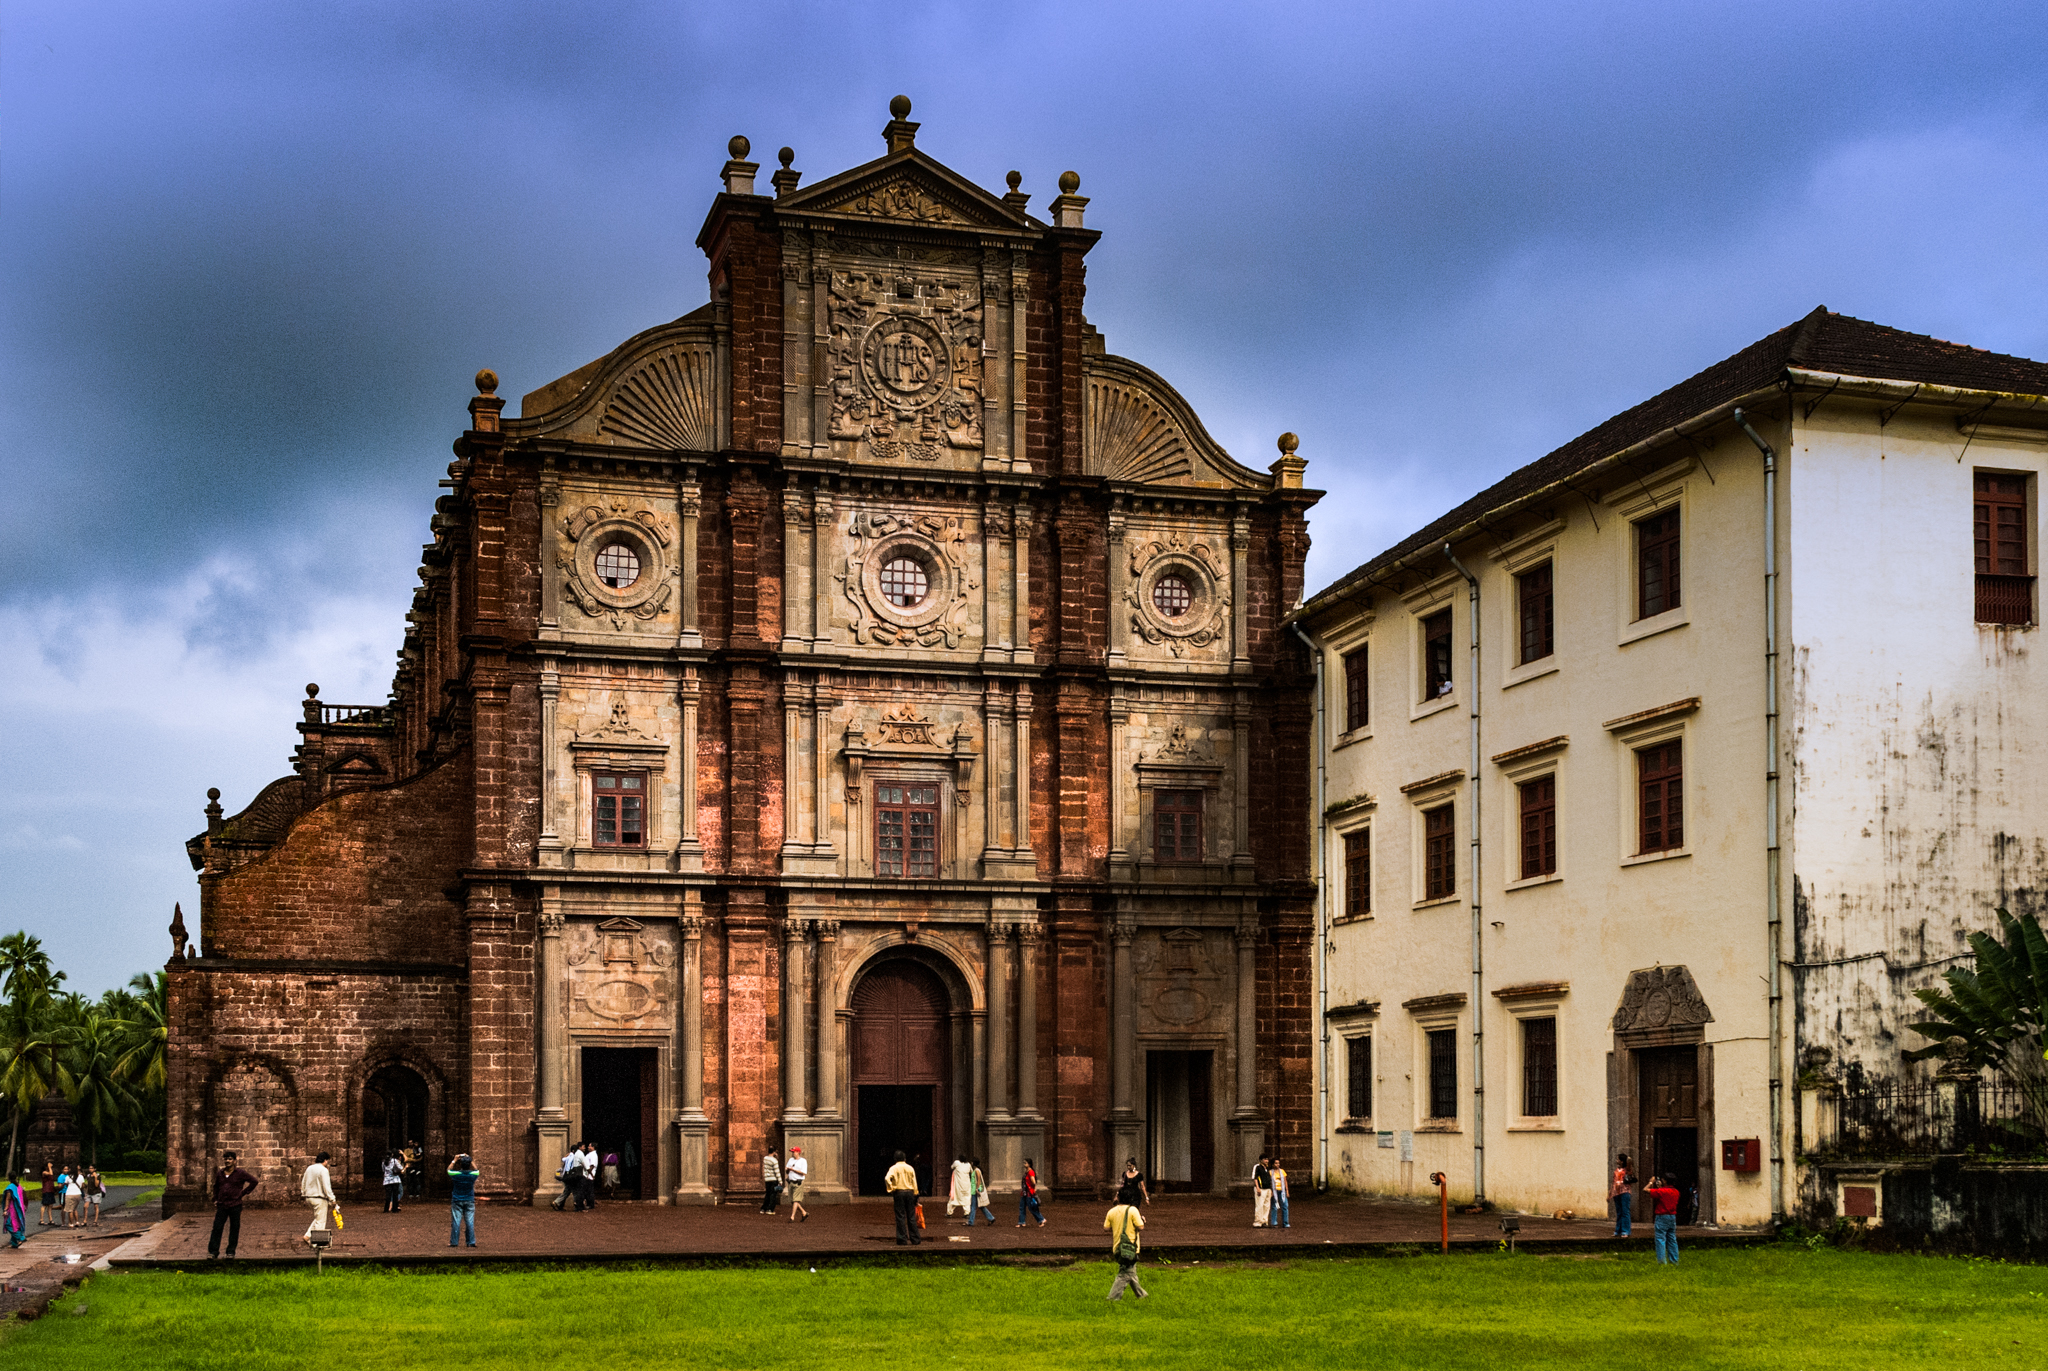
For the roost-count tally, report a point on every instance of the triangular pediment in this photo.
(909, 188)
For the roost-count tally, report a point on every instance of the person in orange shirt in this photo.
(1619, 1197)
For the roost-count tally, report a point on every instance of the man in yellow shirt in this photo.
(1122, 1223)
(901, 1182)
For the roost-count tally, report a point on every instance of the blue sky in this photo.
(250, 256)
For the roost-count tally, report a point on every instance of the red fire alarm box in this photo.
(1741, 1154)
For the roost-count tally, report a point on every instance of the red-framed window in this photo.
(1356, 693)
(1657, 563)
(907, 831)
(1440, 852)
(1660, 783)
(1358, 874)
(618, 809)
(1539, 826)
(1539, 631)
(1539, 1068)
(1177, 826)
(2005, 592)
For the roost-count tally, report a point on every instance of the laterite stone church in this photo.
(855, 715)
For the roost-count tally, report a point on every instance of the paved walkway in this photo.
(51, 1258)
(623, 1231)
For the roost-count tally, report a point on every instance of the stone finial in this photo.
(1067, 207)
(312, 690)
(1016, 199)
(785, 180)
(899, 132)
(487, 382)
(486, 405)
(1955, 1059)
(739, 172)
(214, 822)
(178, 938)
(1287, 471)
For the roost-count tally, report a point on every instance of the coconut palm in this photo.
(31, 1058)
(91, 1055)
(147, 1030)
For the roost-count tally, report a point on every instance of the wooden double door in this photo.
(902, 1075)
(1671, 1122)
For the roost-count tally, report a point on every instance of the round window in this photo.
(904, 583)
(1171, 595)
(618, 566)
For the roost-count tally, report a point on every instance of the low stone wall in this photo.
(1945, 1203)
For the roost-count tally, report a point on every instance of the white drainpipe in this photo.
(1478, 927)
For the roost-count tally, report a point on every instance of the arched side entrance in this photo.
(394, 1113)
(902, 1074)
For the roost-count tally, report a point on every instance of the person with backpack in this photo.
(1123, 1222)
(95, 1195)
(1618, 1195)
(394, 1182)
(1028, 1197)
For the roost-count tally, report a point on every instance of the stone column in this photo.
(1247, 1127)
(821, 579)
(552, 1123)
(550, 690)
(688, 503)
(1119, 579)
(693, 1128)
(792, 764)
(824, 978)
(999, 1060)
(689, 852)
(1027, 1019)
(992, 702)
(1240, 546)
(793, 1110)
(1020, 766)
(1119, 722)
(1020, 579)
(1241, 799)
(1124, 1128)
(794, 577)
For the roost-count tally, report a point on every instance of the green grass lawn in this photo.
(133, 1178)
(1782, 1306)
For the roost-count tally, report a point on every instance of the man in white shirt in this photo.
(793, 1172)
(316, 1187)
(586, 1192)
(571, 1176)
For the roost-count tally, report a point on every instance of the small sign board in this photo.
(1407, 1145)
(1387, 1139)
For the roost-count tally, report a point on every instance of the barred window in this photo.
(1172, 596)
(1358, 1078)
(1443, 1073)
(2005, 592)
(618, 809)
(907, 831)
(618, 566)
(1539, 1068)
(904, 582)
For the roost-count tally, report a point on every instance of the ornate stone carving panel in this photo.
(1662, 1004)
(616, 560)
(905, 357)
(1184, 979)
(936, 542)
(1177, 593)
(621, 975)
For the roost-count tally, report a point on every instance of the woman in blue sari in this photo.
(14, 1211)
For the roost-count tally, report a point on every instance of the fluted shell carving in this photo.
(1129, 438)
(667, 403)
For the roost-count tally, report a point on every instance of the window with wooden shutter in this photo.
(1436, 655)
(1660, 781)
(1443, 1073)
(1358, 874)
(2005, 592)
(1355, 697)
(618, 810)
(1358, 1078)
(1657, 564)
(1539, 826)
(1532, 595)
(1440, 852)
(1177, 826)
(1539, 1068)
(907, 831)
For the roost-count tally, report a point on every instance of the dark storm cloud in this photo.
(252, 254)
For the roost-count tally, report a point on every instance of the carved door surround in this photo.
(1660, 1049)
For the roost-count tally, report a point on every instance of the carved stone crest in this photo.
(621, 974)
(1179, 747)
(906, 364)
(904, 725)
(619, 728)
(1662, 1003)
(1179, 982)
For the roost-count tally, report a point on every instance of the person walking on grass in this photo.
(977, 1198)
(1618, 1195)
(394, 1182)
(231, 1185)
(1279, 1174)
(793, 1173)
(1123, 1222)
(49, 1182)
(462, 1199)
(316, 1188)
(1663, 1199)
(771, 1182)
(1028, 1197)
(901, 1183)
(14, 1211)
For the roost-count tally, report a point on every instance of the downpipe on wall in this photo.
(1321, 862)
(1773, 906)
(1478, 926)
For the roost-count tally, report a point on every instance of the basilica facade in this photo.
(856, 715)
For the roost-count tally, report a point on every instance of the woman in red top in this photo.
(1028, 1199)
(1618, 1196)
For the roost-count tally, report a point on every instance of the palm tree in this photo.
(145, 1039)
(31, 1058)
(91, 1055)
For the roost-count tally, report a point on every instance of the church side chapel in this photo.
(854, 716)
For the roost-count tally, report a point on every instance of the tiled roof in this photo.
(1821, 342)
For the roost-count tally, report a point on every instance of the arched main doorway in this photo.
(394, 1113)
(902, 1073)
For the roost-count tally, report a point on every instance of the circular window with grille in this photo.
(1172, 596)
(904, 582)
(618, 565)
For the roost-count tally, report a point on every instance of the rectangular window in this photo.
(619, 809)
(1177, 826)
(1657, 564)
(1532, 596)
(1539, 1068)
(1436, 655)
(1355, 697)
(2005, 592)
(1660, 779)
(907, 830)
(1358, 874)
(1358, 1078)
(1443, 1073)
(1539, 826)
(1439, 852)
